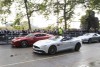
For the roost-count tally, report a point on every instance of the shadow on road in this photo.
(57, 54)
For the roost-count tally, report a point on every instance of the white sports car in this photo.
(90, 37)
(55, 44)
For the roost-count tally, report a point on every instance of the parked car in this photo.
(29, 39)
(56, 44)
(90, 37)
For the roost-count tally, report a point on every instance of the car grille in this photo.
(41, 51)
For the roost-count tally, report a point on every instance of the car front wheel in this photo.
(52, 50)
(24, 44)
(90, 40)
(99, 40)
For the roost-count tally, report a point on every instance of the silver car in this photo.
(90, 37)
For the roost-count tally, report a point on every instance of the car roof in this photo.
(90, 33)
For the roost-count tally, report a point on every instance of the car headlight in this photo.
(36, 47)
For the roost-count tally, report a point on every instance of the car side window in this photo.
(95, 35)
(66, 38)
(38, 35)
(63, 39)
(43, 34)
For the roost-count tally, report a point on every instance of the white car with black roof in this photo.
(56, 44)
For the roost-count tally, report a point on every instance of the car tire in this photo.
(77, 47)
(90, 41)
(98, 40)
(52, 50)
(24, 44)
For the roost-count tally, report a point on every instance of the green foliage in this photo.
(50, 27)
(22, 26)
(61, 20)
(84, 23)
(64, 9)
(92, 4)
(17, 19)
(5, 6)
(5, 10)
(95, 4)
(89, 21)
(5, 3)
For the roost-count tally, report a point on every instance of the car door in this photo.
(95, 37)
(65, 44)
(40, 37)
(37, 37)
(31, 39)
(44, 36)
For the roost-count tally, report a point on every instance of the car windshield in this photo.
(88, 34)
(55, 38)
(30, 35)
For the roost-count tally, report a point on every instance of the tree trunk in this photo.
(65, 15)
(25, 1)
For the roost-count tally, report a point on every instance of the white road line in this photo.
(30, 61)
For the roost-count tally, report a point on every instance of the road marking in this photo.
(30, 61)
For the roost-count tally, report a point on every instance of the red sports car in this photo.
(29, 39)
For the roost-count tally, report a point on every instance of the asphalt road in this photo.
(88, 56)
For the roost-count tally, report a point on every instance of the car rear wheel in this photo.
(98, 40)
(77, 47)
(52, 50)
(24, 44)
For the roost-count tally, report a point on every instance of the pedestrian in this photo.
(60, 31)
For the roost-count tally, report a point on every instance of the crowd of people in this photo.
(25, 32)
(5, 34)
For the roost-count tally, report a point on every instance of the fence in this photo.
(6, 38)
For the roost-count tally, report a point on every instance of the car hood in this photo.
(83, 37)
(44, 42)
(20, 38)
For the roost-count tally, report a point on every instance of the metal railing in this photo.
(6, 38)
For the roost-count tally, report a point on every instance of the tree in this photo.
(66, 7)
(25, 1)
(30, 7)
(89, 21)
(5, 10)
(68, 12)
(92, 4)
(21, 5)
